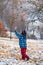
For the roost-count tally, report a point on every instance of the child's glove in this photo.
(15, 28)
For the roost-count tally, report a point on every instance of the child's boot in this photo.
(27, 57)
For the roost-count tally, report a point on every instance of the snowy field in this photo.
(10, 52)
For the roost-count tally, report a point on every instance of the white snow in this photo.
(34, 50)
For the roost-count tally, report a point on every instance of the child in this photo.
(22, 43)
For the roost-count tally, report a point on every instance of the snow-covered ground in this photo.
(10, 52)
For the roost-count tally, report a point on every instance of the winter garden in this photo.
(23, 14)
